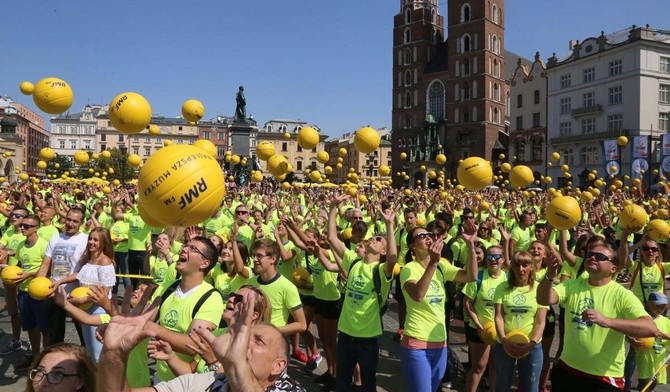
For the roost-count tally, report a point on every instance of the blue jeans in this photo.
(530, 368)
(121, 259)
(352, 351)
(418, 365)
(93, 346)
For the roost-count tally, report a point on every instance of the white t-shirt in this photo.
(65, 252)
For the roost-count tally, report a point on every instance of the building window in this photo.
(159, 140)
(436, 100)
(568, 156)
(466, 43)
(408, 78)
(495, 13)
(465, 13)
(588, 126)
(73, 144)
(103, 137)
(519, 100)
(206, 135)
(536, 97)
(590, 155)
(299, 148)
(496, 92)
(615, 96)
(298, 165)
(665, 64)
(495, 45)
(61, 144)
(87, 145)
(589, 74)
(588, 99)
(136, 150)
(408, 36)
(537, 150)
(408, 56)
(136, 139)
(408, 100)
(615, 122)
(520, 150)
(566, 81)
(566, 105)
(519, 123)
(615, 67)
(284, 146)
(565, 129)
(103, 147)
(496, 68)
(664, 93)
(536, 120)
(408, 16)
(147, 151)
(219, 135)
(180, 141)
(664, 122)
(147, 139)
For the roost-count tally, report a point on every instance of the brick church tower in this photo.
(449, 96)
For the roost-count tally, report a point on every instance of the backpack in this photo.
(198, 304)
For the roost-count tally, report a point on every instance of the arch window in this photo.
(474, 114)
(408, 77)
(494, 13)
(408, 56)
(408, 36)
(536, 149)
(408, 16)
(466, 67)
(496, 92)
(466, 115)
(466, 43)
(465, 13)
(496, 68)
(436, 100)
(408, 100)
(495, 45)
(520, 150)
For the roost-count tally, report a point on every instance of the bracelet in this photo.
(534, 343)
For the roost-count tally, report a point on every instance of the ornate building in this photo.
(450, 95)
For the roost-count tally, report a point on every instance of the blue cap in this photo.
(658, 298)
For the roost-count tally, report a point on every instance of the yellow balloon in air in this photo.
(563, 212)
(27, 88)
(52, 95)
(308, 138)
(129, 112)
(403, 155)
(81, 157)
(555, 156)
(264, 150)
(323, 157)
(622, 140)
(441, 159)
(154, 130)
(207, 146)
(47, 154)
(134, 160)
(192, 110)
(474, 173)
(521, 176)
(366, 140)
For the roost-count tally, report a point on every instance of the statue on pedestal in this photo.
(241, 107)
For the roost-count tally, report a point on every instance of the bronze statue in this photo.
(241, 108)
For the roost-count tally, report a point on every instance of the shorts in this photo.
(308, 300)
(33, 314)
(329, 310)
(472, 335)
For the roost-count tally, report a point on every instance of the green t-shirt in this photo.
(244, 233)
(119, 231)
(519, 306)
(214, 225)
(161, 270)
(105, 220)
(360, 309)
(648, 361)
(425, 319)
(137, 368)
(325, 282)
(401, 241)
(30, 258)
(649, 278)
(588, 347)
(176, 315)
(523, 238)
(283, 296)
(225, 283)
(285, 267)
(139, 233)
(11, 240)
(482, 297)
(47, 232)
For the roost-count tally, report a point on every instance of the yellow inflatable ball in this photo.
(257, 177)
(106, 154)
(347, 233)
(327, 169)
(521, 176)
(315, 176)
(658, 229)
(547, 180)
(286, 185)
(488, 334)
(181, 185)
(505, 167)
(129, 112)
(501, 156)
(81, 157)
(154, 130)
(277, 165)
(116, 182)
(148, 219)
(474, 173)
(565, 168)
(555, 156)
(563, 212)
(7, 154)
(396, 269)
(302, 278)
(632, 216)
(287, 136)
(441, 159)
(207, 146)
(342, 152)
(47, 154)
(519, 337)
(10, 273)
(622, 140)
(420, 222)
(484, 205)
(264, 150)
(106, 190)
(192, 110)
(432, 174)
(82, 292)
(40, 288)
(308, 138)
(366, 140)
(586, 196)
(235, 159)
(41, 165)
(384, 170)
(24, 176)
(352, 191)
(362, 199)
(168, 143)
(27, 88)
(646, 344)
(52, 95)
(134, 160)
(403, 155)
(323, 157)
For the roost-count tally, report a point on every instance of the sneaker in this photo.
(398, 334)
(12, 346)
(300, 356)
(324, 378)
(313, 362)
(25, 365)
(356, 388)
(445, 386)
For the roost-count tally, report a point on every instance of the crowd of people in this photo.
(228, 303)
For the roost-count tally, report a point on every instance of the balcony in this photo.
(587, 110)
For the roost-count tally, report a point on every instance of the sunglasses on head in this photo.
(598, 256)
(493, 257)
(424, 235)
(650, 248)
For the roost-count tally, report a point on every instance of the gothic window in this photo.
(465, 13)
(408, 36)
(495, 13)
(408, 77)
(537, 149)
(466, 115)
(408, 56)
(466, 67)
(520, 150)
(436, 100)
(408, 100)
(408, 16)
(466, 43)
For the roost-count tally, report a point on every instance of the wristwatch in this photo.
(214, 367)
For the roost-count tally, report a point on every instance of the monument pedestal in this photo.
(240, 134)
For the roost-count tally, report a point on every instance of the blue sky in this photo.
(324, 62)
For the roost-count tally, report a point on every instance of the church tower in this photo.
(477, 91)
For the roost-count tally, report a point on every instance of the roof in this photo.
(511, 60)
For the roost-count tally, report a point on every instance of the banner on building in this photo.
(665, 156)
(640, 160)
(612, 154)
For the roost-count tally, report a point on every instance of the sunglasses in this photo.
(422, 236)
(26, 226)
(378, 238)
(493, 257)
(241, 212)
(598, 256)
(650, 248)
(16, 215)
(237, 298)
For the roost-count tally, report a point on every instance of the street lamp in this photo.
(370, 167)
(124, 151)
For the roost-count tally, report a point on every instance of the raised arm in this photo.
(337, 245)
(469, 273)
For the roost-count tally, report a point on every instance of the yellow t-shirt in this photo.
(519, 306)
(283, 296)
(225, 283)
(648, 361)
(650, 277)
(482, 297)
(425, 319)
(588, 347)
